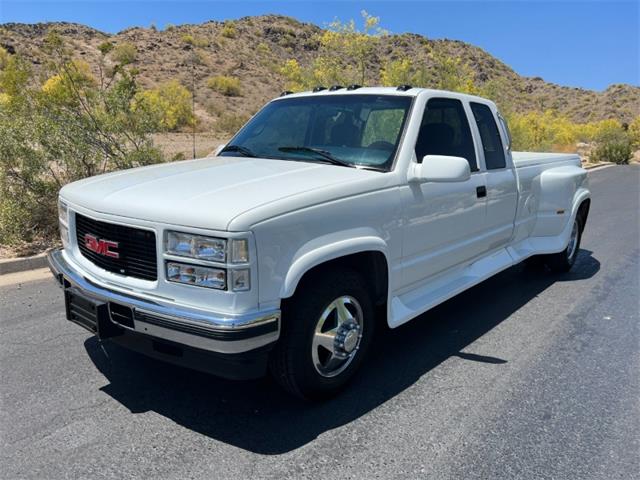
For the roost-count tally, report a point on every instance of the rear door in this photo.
(443, 221)
(501, 181)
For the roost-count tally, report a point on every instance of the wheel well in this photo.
(372, 265)
(583, 211)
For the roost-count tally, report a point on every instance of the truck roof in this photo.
(397, 91)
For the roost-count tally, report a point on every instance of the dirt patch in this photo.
(180, 145)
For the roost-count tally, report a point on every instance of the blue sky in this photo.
(589, 44)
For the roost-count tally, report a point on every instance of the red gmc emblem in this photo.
(100, 246)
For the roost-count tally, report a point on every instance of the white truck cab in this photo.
(325, 207)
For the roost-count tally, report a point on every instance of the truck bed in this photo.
(529, 159)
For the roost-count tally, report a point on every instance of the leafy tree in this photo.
(447, 73)
(634, 132)
(298, 78)
(72, 126)
(344, 56)
(169, 104)
(398, 72)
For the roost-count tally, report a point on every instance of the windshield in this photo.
(348, 130)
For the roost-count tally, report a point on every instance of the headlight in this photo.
(63, 212)
(196, 275)
(196, 246)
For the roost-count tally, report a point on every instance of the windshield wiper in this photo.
(238, 148)
(326, 156)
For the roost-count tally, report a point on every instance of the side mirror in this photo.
(218, 149)
(440, 168)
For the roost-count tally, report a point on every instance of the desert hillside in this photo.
(256, 48)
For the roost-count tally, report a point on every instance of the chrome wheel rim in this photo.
(337, 336)
(573, 241)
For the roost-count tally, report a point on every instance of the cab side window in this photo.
(445, 131)
(490, 136)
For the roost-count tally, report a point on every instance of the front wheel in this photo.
(326, 331)
(563, 261)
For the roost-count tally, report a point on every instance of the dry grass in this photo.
(180, 145)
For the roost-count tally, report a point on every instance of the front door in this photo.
(443, 221)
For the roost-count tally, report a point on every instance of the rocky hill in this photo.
(257, 46)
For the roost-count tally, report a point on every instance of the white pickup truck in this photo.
(326, 211)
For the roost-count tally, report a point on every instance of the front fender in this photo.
(329, 247)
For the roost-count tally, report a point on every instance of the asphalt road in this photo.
(527, 375)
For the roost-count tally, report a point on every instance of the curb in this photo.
(591, 166)
(13, 265)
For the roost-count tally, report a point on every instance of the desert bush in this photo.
(70, 127)
(169, 104)
(124, 54)
(228, 86)
(617, 150)
(4, 57)
(543, 131)
(634, 132)
(263, 49)
(231, 122)
(229, 30)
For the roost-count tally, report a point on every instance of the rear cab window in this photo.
(489, 135)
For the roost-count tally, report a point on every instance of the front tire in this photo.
(563, 261)
(326, 332)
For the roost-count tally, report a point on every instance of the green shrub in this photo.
(169, 104)
(634, 132)
(124, 54)
(71, 127)
(229, 30)
(230, 122)
(228, 86)
(4, 57)
(263, 49)
(616, 150)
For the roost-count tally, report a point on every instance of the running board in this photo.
(415, 302)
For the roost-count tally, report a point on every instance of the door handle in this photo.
(481, 191)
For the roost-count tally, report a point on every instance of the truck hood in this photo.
(209, 193)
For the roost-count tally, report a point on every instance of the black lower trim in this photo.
(227, 335)
(239, 366)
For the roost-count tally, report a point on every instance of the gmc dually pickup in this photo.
(326, 211)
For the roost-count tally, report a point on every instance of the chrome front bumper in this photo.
(204, 330)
